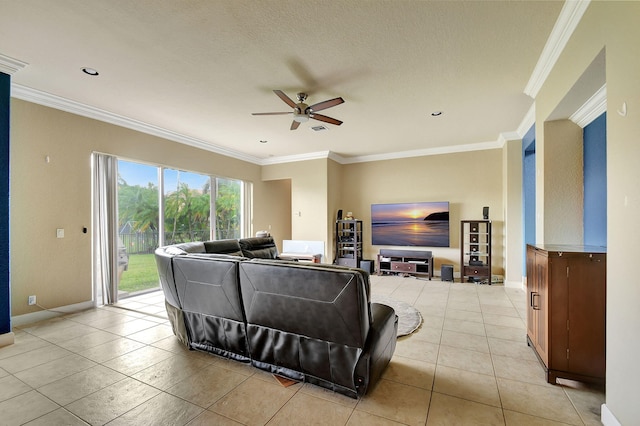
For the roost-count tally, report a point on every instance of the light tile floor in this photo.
(467, 364)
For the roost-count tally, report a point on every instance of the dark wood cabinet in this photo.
(412, 262)
(348, 243)
(475, 251)
(566, 310)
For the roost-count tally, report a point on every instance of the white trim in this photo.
(607, 418)
(528, 121)
(508, 136)
(423, 152)
(592, 108)
(7, 339)
(57, 102)
(10, 65)
(33, 317)
(299, 157)
(568, 20)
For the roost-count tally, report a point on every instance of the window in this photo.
(162, 206)
(228, 206)
(187, 207)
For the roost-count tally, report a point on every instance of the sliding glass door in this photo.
(228, 196)
(138, 224)
(187, 207)
(163, 206)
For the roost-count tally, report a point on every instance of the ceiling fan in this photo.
(303, 112)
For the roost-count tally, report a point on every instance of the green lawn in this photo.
(141, 275)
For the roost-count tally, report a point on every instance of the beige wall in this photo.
(334, 196)
(316, 189)
(513, 226)
(468, 181)
(309, 189)
(46, 196)
(560, 183)
(276, 218)
(614, 27)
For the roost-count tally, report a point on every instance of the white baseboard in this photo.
(20, 320)
(607, 418)
(7, 339)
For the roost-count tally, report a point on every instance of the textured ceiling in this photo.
(201, 67)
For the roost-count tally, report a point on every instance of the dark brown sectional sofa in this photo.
(307, 322)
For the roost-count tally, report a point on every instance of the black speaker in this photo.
(339, 215)
(446, 272)
(485, 213)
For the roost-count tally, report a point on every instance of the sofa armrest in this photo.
(381, 344)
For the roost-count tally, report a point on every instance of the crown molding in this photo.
(508, 136)
(299, 157)
(592, 108)
(422, 152)
(10, 65)
(568, 20)
(527, 121)
(57, 102)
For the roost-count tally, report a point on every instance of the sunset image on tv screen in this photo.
(423, 224)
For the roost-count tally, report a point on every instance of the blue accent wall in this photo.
(529, 188)
(5, 293)
(595, 182)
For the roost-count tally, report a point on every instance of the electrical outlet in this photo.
(32, 300)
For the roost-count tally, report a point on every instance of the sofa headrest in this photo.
(184, 248)
(230, 247)
(259, 247)
(215, 256)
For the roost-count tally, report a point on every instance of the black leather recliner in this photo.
(308, 322)
(315, 323)
(202, 296)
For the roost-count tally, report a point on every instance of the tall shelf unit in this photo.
(348, 243)
(475, 251)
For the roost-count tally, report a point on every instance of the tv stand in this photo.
(411, 262)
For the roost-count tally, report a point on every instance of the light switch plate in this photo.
(60, 232)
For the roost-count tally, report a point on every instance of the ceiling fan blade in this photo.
(326, 104)
(294, 124)
(287, 100)
(271, 113)
(326, 119)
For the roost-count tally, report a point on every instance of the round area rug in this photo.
(409, 319)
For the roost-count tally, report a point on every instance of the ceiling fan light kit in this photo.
(303, 112)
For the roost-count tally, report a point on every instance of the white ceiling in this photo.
(198, 69)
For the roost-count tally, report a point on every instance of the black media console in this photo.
(412, 262)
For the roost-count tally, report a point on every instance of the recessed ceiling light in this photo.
(436, 113)
(90, 71)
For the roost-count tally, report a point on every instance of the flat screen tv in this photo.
(424, 224)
